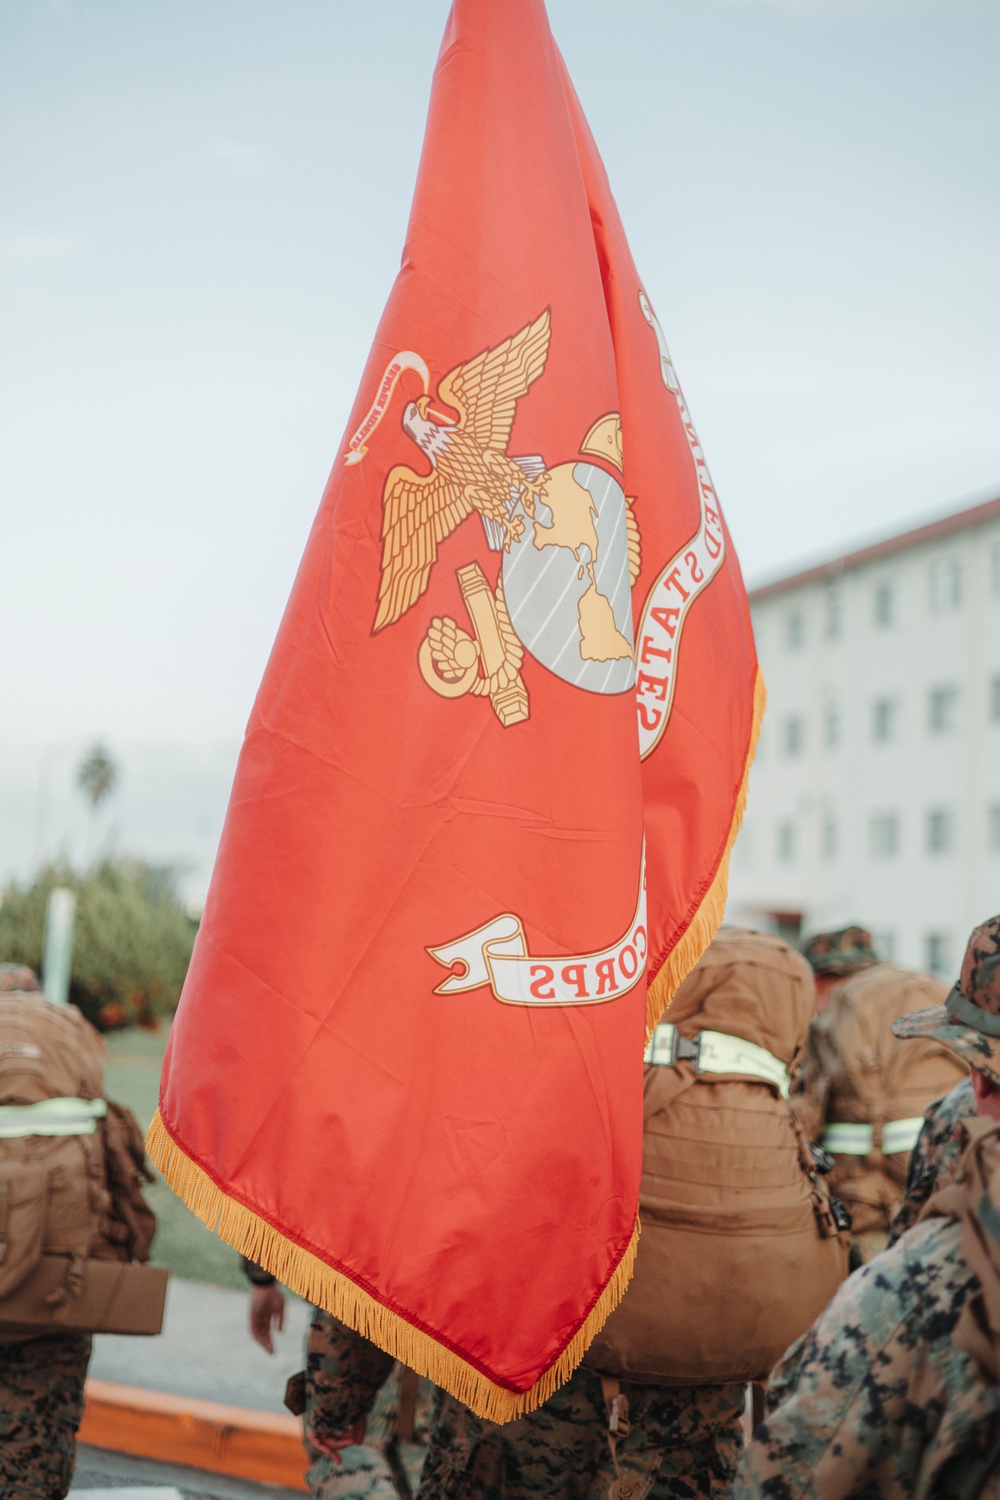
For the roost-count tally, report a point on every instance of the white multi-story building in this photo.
(875, 796)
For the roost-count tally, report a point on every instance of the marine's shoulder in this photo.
(879, 1392)
(942, 1115)
(937, 1149)
(913, 1293)
(938, 1143)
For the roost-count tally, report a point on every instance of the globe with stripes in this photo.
(566, 580)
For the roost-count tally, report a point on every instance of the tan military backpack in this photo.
(866, 1091)
(71, 1165)
(739, 1247)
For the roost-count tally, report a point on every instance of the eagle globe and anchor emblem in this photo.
(567, 536)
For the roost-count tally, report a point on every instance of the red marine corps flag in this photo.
(480, 826)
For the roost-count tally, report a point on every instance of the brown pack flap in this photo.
(131, 1224)
(116, 1297)
(750, 985)
(47, 1051)
(23, 1197)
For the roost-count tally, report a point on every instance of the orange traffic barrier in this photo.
(261, 1445)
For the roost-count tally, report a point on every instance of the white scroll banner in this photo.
(407, 360)
(677, 586)
(496, 955)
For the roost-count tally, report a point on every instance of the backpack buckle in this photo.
(618, 1423)
(686, 1049)
(822, 1160)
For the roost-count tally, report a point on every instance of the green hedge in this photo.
(131, 945)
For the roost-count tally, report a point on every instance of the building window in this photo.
(993, 828)
(795, 630)
(884, 944)
(829, 837)
(831, 726)
(937, 948)
(834, 612)
(885, 834)
(940, 830)
(946, 583)
(885, 604)
(942, 709)
(884, 715)
(786, 842)
(995, 700)
(794, 736)
(743, 849)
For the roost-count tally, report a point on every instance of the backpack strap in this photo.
(625, 1486)
(51, 1117)
(617, 1409)
(831, 1216)
(407, 1408)
(717, 1052)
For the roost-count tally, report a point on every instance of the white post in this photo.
(58, 946)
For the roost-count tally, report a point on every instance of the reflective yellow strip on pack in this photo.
(660, 1047)
(717, 1052)
(731, 1054)
(844, 1139)
(51, 1117)
(901, 1135)
(847, 1140)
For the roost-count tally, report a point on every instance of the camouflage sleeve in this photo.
(344, 1373)
(856, 1402)
(936, 1152)
(785, 1375)
(466, 1455)
(920, 1177)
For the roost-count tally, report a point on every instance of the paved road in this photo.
(115, 1476)
(205, 1350)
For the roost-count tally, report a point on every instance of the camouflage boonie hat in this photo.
(17, 977)
(840, 952)
(969, 1020)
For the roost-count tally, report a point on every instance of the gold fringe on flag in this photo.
(320, 1284)
(708, 918)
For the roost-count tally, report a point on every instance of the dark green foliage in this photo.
(131, 945)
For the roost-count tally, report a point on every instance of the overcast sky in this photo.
(203, 209)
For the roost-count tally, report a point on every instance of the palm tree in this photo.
(97, 777)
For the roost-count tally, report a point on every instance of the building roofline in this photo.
(961, 520)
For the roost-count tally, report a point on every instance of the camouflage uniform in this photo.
(684, 1443)
(877, 1399)
(939, 1145)
(41, 1406)
(894, 1389)
(41, 1382)
(347, 1378)
(837, 954)
(968, 1023)
(969, 1020)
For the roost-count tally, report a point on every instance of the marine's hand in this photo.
(267, 1312)
(332, 1445)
